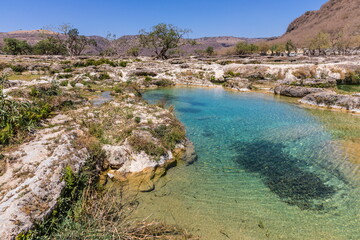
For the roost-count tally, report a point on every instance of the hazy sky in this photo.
(241, 18)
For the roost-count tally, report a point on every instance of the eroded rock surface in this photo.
(32, 182)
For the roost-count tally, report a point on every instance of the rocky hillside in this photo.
(335, 16)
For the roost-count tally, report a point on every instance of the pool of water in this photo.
(103, 97)
(266, 169)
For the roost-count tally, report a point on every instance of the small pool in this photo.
(266, 169)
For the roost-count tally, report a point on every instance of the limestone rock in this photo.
(333, 100)
(295, 91)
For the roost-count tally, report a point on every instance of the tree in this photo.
(290, 47)
(263, 48)
(162, 38)
(277, 49)
(49, 46)
(209, 51)
(14, 46)
(243, 48)
(74, 42)
(320, 42)
(133, 51)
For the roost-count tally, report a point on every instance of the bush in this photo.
(164, 83)
(49, 46)
(170, 135)
(64, 83)
(18, 117)
(18, 68)
(351, 78)
(66, 76)
(16, 47)
(141, 144)
(93, 62)
(4, 81)
(45, 90)
(243, 48)
(104, 76)
(118, 89)
(137, 119)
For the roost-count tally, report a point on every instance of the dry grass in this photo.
(106, 215)
(24, 77)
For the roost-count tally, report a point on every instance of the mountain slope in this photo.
(335, 16)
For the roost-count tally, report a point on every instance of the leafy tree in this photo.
(74, 42)
(209, 51)
(320, 42)
(16, 47)
(162, 38)
(290, 46)
(263, 48)
(49, 46)
(243, 48)
(277, 49)
(133, 51)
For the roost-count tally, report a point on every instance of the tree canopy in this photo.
(16, 47)
(162, 38)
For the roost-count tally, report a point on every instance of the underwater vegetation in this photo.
(285, 175)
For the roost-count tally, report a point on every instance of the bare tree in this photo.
(74, 43)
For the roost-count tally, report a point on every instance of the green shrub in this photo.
(164, 83)
(170, 135)
(67, 70)
(19, 117)
(66, 76)
(64, 83)
(118, 89)
(123, 64)
(4, 81)
(137, 119)
(18, 68)
(93, 62)
(45, 90)
(141, 144)
(104, 76)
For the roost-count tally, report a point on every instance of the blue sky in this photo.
(240, 18)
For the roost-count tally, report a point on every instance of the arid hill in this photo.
(334, 17)
(128, 41)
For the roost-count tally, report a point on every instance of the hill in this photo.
(334, 17)
(128, 41)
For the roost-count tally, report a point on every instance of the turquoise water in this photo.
(266, 169)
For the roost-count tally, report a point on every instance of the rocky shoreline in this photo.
(133, 135)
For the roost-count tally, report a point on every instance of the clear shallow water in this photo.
(266, 169)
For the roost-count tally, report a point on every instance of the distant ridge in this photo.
(220, 43)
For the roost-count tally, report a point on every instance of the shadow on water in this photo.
(284, 175)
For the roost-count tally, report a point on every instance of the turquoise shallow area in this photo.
(266, 169)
